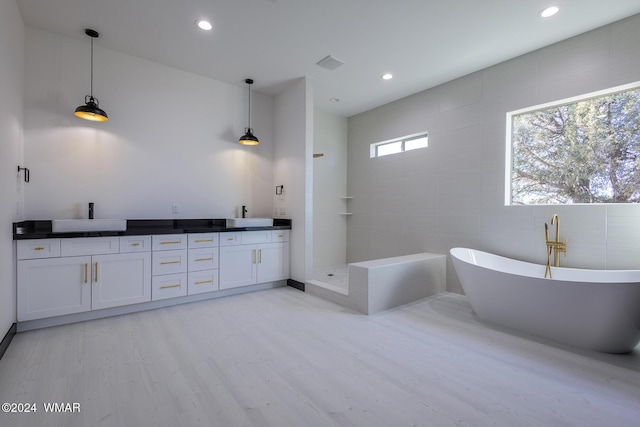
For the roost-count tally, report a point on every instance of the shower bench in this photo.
(381, 284)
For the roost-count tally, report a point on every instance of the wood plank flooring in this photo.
(285, 358)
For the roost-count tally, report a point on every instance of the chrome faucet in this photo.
(554, 247)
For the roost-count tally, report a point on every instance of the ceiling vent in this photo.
(329, 62)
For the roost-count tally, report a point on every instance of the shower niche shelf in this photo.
(346, 199)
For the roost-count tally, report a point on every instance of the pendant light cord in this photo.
(91, 68)
(249, 120)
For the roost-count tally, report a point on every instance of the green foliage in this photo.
(583, 152)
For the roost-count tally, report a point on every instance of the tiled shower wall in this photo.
(329, 190)
(452, 193)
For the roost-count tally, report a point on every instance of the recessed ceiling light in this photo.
(203, 24)
(387, 76)
(550, 11)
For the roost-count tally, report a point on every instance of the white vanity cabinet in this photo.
(63, 276)
(79, 274)
(251, 257)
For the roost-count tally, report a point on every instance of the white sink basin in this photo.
(249, 222)
(71, 225)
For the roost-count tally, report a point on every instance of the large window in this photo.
(579, 150)
(399, 145)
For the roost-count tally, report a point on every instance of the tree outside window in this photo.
(584, 151)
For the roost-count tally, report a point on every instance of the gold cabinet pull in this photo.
(204, 240)
(170, 286)
(259, 256)
(204, 259)
(231, 238)
(280, 235)
(135, 244)
(96, 266)
(169, 262)
(86, 272)
(202, 282)
(253, 256)
(39, 248)
(177, 242)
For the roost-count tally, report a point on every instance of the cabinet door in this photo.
(273, 262)
(237, 266)
(53, 287)
(121, 279)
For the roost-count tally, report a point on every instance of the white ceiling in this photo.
(422, 42)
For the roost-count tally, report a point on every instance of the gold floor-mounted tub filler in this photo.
(554, 247)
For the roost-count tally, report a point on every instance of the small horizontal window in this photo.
(399, 145)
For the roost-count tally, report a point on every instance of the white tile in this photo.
(623, 258)
(461, 92)
(623, 231)
(510, 77)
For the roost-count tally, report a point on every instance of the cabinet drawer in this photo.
(168, 286)
(229, 239)
(203, 240)
(169, 242)
(202, 281)
(135, 244)
(169, 262)
(253, 237)
(89, 246)
(280, 235)
(38, 248)
(203, 259)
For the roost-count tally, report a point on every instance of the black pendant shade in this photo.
(91, 110)
(249, 138)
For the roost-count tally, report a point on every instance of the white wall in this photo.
(293, 168)
(329, 185)
(171, 138)
(452, 194)
(11, 71)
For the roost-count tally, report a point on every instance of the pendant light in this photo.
(91, 110)
(249, 138)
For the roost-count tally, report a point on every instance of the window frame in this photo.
(508, 188)
(374, 147)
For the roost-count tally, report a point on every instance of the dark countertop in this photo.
(41, 229)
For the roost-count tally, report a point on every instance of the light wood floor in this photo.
(285, 358)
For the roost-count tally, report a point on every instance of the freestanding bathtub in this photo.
(594, 309)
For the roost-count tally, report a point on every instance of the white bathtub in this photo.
(594, 309)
